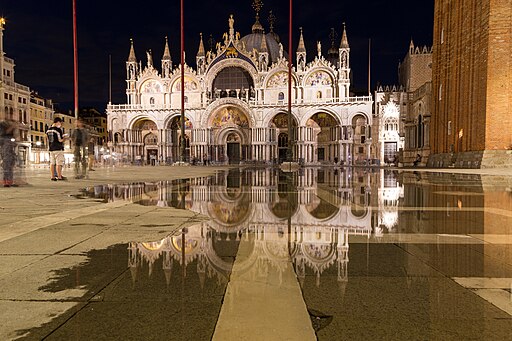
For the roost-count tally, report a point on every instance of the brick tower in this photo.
(472, 84)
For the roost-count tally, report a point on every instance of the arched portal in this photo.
(323, 125)
(230, 127)
(144, 140)
(151, 148)
(174, 138)
(280, 124)
(233, 146)
(361, 143)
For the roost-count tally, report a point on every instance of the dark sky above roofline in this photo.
(39, 37)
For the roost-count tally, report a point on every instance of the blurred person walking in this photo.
(8, 151)
(80, 138)
(56, 140)
(90, 151)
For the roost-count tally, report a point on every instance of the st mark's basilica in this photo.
(236, 105)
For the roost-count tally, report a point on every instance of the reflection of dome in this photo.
(253, 41)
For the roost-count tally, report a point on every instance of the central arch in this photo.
(230, 126)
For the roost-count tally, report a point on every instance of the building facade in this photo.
(18, 103)
(236, 105)
(41, 118)
(402, 113)
(14, 99)
(390, 106)
(472, 85)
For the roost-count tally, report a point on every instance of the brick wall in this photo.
(472, 76)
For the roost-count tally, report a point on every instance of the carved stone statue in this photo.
(231, 22)
(150, 58)
(281, 51)
(319, 48)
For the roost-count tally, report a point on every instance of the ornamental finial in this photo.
(271, 20)
(257, 5)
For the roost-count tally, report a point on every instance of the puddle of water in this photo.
(307, 217)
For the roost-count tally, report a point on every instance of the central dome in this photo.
(253, 41)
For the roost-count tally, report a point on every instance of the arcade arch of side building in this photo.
(236, 106)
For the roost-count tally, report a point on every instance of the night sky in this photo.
(39, 37)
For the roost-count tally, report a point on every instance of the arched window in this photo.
(319, 94)
(420, 132)
(152, 100)
(186, 99)
(281, 96)
(151, 139)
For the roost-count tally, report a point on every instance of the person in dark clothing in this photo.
(90, 151)
(80, 138)
(417, 161)
(56, 140)
(8, 151)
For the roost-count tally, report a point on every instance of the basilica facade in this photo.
(236, 105)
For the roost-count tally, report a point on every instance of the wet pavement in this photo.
(257, 254)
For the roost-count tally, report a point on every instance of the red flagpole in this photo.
(75, 55)
(289, 152)
(183, 149)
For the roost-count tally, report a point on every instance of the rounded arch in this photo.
(278, 78)
(114, 124)
(358, 115)
(230, 214)
(310, 114)
(358, 211)
(171, 117)
(229, 115)
(151, 85)
(279, 119)
(321, 210)
(192, 83)
(271, 115)
(150, 139)
(137, 122)
(325, 76)
(222, 103)
(230, 62)
(230, 79)
(229, 130)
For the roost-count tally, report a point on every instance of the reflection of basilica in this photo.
(236, 104)
(308, 218)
